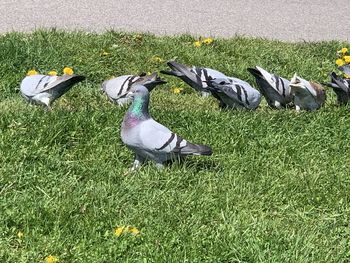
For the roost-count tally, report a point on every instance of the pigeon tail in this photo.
(149, 81)
(196, 149)
(177, 69)
(66, 85)
(256, 73)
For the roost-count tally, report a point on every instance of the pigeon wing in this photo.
(157, 138)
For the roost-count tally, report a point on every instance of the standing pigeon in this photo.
(341, 87)
(117, 88)
(196, 77)
(307, 95)
(44, 89)
(275, 89)
(148, 138)
(234, 93)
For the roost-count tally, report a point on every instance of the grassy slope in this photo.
(276, 189)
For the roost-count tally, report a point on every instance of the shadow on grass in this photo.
(196, 164)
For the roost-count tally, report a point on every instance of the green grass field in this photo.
(275, 190)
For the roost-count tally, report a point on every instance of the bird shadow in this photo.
(195, 164)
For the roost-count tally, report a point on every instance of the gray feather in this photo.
(235, 93)
(43, 89)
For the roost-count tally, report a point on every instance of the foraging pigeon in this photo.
(196, 77)
(275, 89)
(44, 89)
(307, 95)
(345, 69)
(234, 93)
(148, 138)
(341, 87)
(117, 88)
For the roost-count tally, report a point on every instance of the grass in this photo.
(275, 190)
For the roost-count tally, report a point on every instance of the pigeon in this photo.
(234, 93)
(196, 77)
(345, 69)
(307, 95)
(341, 88)
(275, 89)
(45, 89)
(117, 88)
(149, 139)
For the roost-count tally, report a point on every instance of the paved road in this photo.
(290, 20)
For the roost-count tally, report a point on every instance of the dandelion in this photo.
(51, 259)
(344, 50)
(32, 72)
(133, 230)
(177, 90)
(339, 62)
(347, 59)
(20, 234)
(119, 231)
(197, 43)
(208, 41)
(68, 71)
(52, 73)
(156, 59)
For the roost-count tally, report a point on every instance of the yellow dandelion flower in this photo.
(156, 59)
(208, 41)
(119, 231)
(52, 73)
(52, 259)
(68, 71)
(197, 43)
(32, 72)
(339, 62)
(133, 230)
(344, 50)
(347, 59)
(177, 90)
(20, 234)
(346, 76)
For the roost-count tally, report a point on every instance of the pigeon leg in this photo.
(277, 104)
(159, 166)
(205, 94)
(137, 162)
